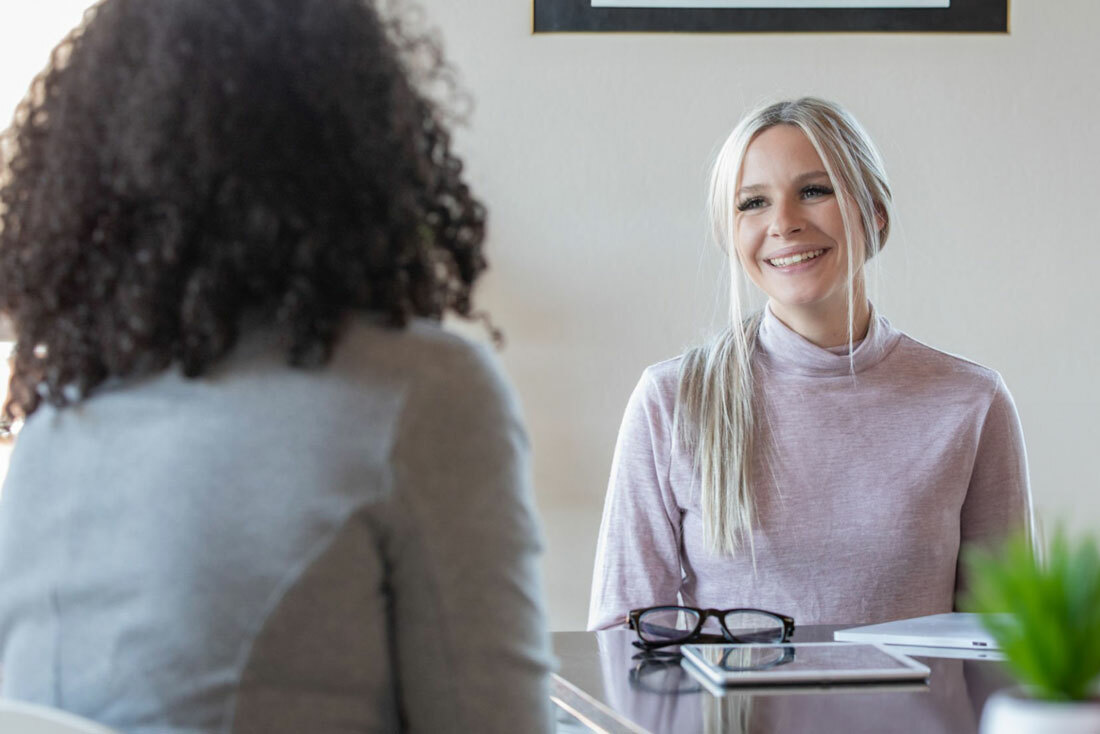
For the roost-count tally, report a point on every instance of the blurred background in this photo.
(591, 151)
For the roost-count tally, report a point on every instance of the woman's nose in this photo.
(786, 220)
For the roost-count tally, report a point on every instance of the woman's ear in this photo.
(882, 225)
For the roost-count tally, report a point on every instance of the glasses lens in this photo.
(754, 627)
(664, 624)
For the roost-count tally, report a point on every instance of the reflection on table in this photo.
(604, 682)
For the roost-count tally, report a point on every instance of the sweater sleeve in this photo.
(638, 552)
(998, 500)
(470, 641)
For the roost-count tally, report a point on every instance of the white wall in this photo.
(591, 151)
(29, 32)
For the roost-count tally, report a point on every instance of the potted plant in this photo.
(1045, 616)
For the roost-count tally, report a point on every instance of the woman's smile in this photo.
(790, 262)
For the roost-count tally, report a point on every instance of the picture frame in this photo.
(771, 16)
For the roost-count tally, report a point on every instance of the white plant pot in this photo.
(1011, 711)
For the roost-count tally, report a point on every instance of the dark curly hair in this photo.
(181, 164)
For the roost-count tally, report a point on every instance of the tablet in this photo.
(802, 663)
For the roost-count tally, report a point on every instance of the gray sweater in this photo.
(269, 549)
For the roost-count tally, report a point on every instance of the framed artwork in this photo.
(774, 16)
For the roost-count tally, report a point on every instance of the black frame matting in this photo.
(963, 16)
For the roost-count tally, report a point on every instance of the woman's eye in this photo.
(754, 203)
(816, 190)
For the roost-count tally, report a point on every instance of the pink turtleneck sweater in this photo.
(877, 480)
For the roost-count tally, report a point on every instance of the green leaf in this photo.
(1046, 619)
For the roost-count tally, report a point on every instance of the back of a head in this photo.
(182, 164)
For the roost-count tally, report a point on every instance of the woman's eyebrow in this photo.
(811, 175)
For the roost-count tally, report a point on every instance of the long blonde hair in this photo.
(717, 407)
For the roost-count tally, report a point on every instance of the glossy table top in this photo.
(603, 684)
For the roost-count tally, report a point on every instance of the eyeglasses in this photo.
(671, 625)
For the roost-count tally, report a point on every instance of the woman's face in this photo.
(790, 234)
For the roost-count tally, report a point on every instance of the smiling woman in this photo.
(811, 459)
(791, 232)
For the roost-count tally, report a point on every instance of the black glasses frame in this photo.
(633, 621)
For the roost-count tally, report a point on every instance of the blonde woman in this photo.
(811, 460)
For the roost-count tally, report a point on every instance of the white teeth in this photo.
(782, 262)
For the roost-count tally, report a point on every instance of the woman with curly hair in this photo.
(257, 486)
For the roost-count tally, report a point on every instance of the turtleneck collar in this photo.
(787, 351)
